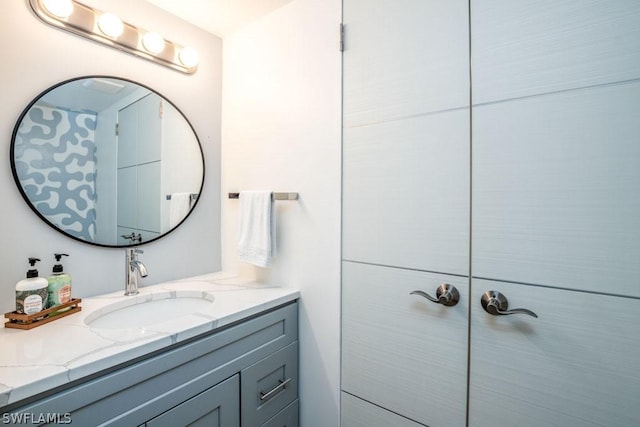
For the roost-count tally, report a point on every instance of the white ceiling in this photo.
(220, 17)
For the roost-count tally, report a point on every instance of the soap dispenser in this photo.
(31, 293)
(59, 284)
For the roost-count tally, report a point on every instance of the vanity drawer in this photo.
(269, 385)
(288, 417)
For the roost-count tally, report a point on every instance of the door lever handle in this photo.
(496, 304)
(445, 294)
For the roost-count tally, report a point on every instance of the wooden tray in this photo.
(30, 321)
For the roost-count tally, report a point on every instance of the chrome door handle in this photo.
(445, 294)
(496, 304)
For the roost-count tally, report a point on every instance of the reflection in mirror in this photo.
(107, 161)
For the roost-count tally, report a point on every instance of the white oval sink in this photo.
(137, 313)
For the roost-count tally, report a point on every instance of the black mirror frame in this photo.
(42, 217)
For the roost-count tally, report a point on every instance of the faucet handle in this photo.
(138, 251)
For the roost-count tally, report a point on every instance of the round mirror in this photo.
(107, 161)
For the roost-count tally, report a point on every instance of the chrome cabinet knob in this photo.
(445, 294)
(496, 304)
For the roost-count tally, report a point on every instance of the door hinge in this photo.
(341, 37)
(117, 129)
(160, 109)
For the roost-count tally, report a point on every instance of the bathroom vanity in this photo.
(230, 363)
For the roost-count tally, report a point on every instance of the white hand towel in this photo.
(257, 228)
(179, 207)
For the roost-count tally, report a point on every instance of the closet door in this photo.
(556, 212)
(405, 211)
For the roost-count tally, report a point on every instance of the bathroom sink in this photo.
(140, 312)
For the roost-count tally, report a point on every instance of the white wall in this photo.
(36, 56)
(281, 132)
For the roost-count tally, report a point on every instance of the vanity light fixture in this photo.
(107, 28)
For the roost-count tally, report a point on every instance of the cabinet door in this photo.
(577, 364)
(218, 406)
(288, 417)
(401, 351)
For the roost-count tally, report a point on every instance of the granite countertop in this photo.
(67, 349)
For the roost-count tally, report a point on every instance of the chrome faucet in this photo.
(133, 268)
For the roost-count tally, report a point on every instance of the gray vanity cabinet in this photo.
(245, 374)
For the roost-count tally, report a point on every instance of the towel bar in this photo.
(275, 196)
(194, 196)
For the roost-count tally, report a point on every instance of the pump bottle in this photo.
(31, 293)
(59, 284)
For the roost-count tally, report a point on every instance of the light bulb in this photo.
(188, 57)
(153, 42)
(110, 25)
(60, 8)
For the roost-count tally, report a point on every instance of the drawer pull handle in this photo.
(445, 294)
(496, 304)
(268, 395)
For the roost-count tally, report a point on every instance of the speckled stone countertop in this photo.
(36, 360)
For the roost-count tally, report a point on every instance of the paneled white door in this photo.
(405, 212)
(548, 136)
(556, 213)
